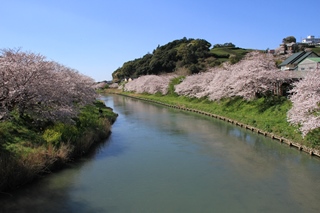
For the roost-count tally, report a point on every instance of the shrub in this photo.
(61, 133)
(173, 82)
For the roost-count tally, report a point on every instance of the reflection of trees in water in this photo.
(250, 154)
(44, 199)
(244, 149)
(303, 181)
(260, 164)
(264, 168)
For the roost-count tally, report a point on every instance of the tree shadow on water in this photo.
(39, 201)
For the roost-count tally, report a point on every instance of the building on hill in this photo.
(292, 62)
(311, 40)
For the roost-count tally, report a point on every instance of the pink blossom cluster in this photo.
(255, 74)
(305, 111)
(44, 89)
(150, 84)
(114, 85)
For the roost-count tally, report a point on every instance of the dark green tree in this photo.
(289, 39)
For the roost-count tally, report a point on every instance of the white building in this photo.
(311, 40)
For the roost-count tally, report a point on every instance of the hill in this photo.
(184, 56)
(316, 50)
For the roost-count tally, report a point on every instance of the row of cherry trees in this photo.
(256, 74)
(43, 89)
(149, 84)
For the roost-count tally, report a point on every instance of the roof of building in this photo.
(315, 59)
(296, 58)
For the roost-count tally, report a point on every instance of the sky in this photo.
(96, 37)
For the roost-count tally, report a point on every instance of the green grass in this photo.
(316, 50)
(222, 54)
(225, 51)
(17, 135)
(266, 113)
(23, 132)
(28, 148)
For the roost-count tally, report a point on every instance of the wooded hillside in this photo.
(187, 56)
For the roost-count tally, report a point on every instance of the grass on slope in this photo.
(316, 50)
(266, 113)
(224, 51)
(29, 148)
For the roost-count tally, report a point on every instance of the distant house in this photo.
(311, 40)
(271, 51)
(309, 64)
(292, 62)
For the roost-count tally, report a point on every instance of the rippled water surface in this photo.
(163, 160)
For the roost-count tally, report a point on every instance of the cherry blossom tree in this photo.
(114, 85)
(149, 84)
(201, 84)
(44, 89)
(255, 74)
(68, 92)
(19, 71)
(305, 111)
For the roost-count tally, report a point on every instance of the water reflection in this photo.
(51, 192)
(51, 195)
(256, 159)
(162, 160)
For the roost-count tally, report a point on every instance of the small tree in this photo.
(289, 39)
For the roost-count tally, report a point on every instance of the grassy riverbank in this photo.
(29, 148)
(268, 114)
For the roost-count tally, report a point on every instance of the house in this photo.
(309, 64)
(311, 40)
(292, 62)
(271, 51)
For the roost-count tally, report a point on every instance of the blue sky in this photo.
(96, 37)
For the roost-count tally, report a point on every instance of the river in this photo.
(159, 159)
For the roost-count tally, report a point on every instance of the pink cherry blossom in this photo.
(255, 74)
(149, 84)
(44, 89)
(305, 110)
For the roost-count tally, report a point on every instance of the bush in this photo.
(173, 82)
(27, 151)
(52, 136)
(314, 137)
(61, 133)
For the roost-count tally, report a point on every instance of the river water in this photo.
(160, 159)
